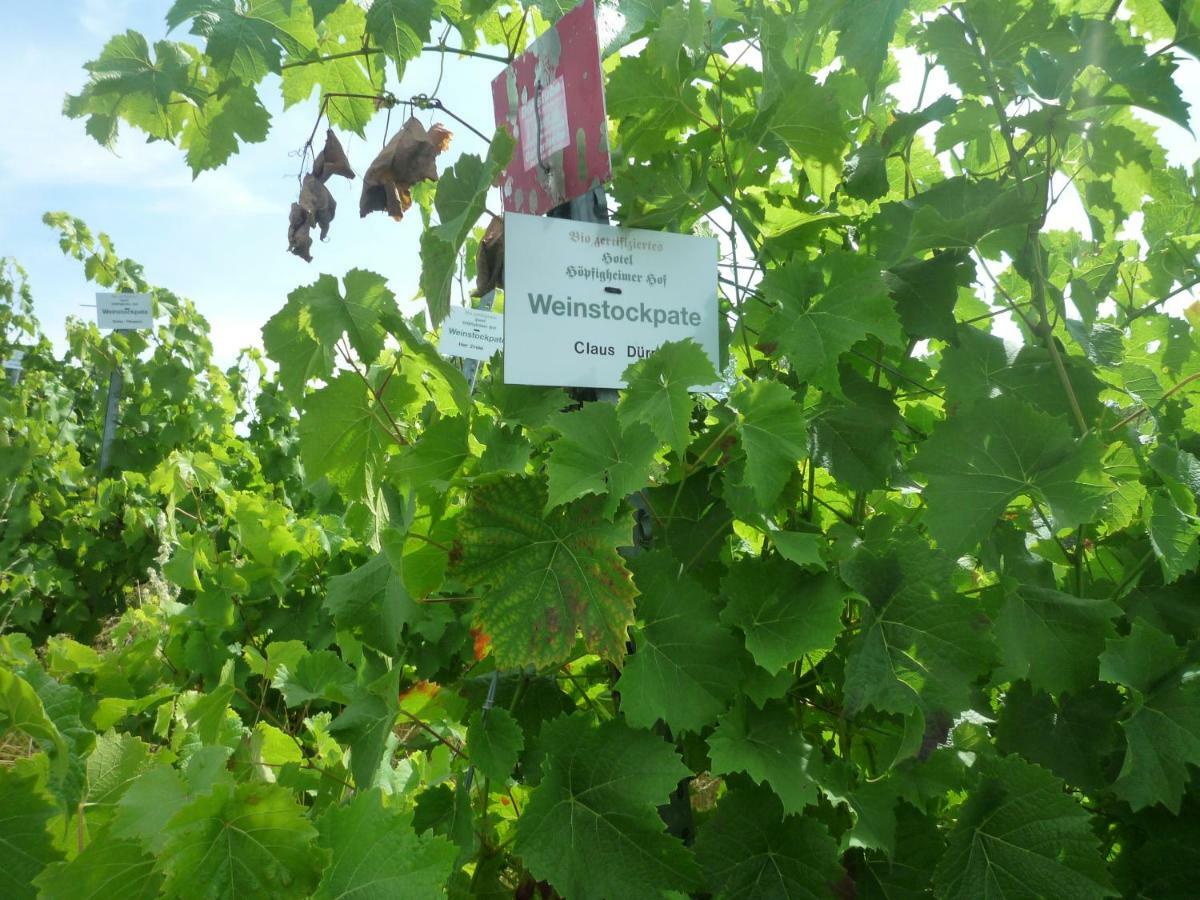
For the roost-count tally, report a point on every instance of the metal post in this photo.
(111, 412)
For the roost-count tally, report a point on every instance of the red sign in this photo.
(552, 100)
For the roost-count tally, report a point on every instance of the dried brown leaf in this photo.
(299, 236)
(489, 263)
(332, 160)
(409, 157)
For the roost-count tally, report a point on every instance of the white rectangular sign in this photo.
(124, 311)
(471, 333)
(584, 301)
(14, 362)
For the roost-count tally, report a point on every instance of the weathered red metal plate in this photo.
(552, 100)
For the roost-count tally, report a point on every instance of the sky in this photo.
(221, 239)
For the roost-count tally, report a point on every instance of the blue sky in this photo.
(221, 239)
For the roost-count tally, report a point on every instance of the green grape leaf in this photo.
(372, 603)
(543, 578)
(400, 28)
(853, 303)
(865, 29)
(21, 709)
(809, 121)
(109, 868)
(750, 848)
(920, 644)
(346, 431)
(343, 27)
(595, 455)
(685, 668)
(774, 433)
(1162, 729)
(115, 762)
(1074, 737)
(979, 461)
(246, 39)
(212, 132)
(591, 826)
(854, 440)
(767, 745)
(432, 459)
(783, 613)
(245, 840)
(25, 843)
(957, 212)
(493, 746)
(1053, 639)
(926, 291)
(1174, 536)
(291, 342)
(375, 854)
(904, 873)
(321, 674)
(126, 82)
(658, 390)
(1020, 834)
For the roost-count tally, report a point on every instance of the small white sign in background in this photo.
(471, 333)
(14, 361)
(583, 301)
(124, 311)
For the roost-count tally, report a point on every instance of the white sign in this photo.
(584, 301)
(124, 311)
(14, 362)
(471, 333)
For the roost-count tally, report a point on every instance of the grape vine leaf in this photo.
(127, 83)
(1162, 729)
(865, 30)
(1052, 638)
(595, 455)
(751, 848)
(1074, 737)
(345, 432)
(400, 28)
(359, 314)
(109, 868)
(544, 577)
(1021, 834)
(979, 461)
(685, 668)
(493, 746)
(289, 340)
(903, 874)
(212, 132)
(657, 391)
(376, 855)
(783, 612)
(920, 645)
(854, 438)
(336, 74)
(25, 843)
(432, 459)
(372, 603)
(591, 826)
(774, 433)
(853, 303)
(1174, 535)
(245, 840)
(245, 40)
(767, 745)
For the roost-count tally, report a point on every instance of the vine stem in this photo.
(372, 51)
